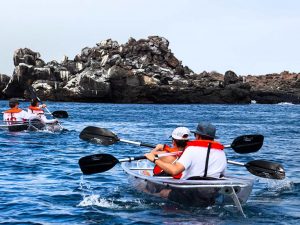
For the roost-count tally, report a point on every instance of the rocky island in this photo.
(139, 71)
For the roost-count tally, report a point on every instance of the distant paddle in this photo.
(60, 114)
(102, 162)
(242, 144)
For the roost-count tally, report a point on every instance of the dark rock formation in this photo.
(4, 79)
(139, 71)
(275, 88)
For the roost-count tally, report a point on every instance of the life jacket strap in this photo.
(207, 159)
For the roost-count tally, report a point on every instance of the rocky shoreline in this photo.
(139, 71)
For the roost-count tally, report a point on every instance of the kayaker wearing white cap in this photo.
(15, 113)
(201, 158)
(180, 136)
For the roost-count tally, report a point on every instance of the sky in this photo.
(249, 37)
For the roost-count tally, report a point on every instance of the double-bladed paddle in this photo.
(56, 114)
(242, 144)
(102, 162)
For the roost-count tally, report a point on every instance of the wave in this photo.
(285, 103)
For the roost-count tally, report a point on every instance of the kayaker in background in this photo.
(35, 110)
(202, 158)
(15, 113)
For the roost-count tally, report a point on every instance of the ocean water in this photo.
(41, 182)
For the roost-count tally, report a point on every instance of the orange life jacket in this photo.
(13, 111)
(36, 109)
(199, 143)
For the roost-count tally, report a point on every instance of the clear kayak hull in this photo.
(226, 190)
(32, 125)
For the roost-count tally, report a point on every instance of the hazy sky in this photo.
(248, 37)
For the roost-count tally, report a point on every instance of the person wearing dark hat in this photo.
(202, 158)
(15, 113)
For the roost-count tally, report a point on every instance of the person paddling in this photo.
(35, 109)
(180, 137)
(15, 114)
(202, 158)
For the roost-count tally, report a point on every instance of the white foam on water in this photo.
(279, 185)
(95, 200)
(285, 103)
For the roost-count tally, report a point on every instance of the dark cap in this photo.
(206, 129)
(13, 101)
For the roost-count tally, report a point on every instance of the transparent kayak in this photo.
(32, 125)
(226, 190)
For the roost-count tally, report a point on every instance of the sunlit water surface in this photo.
(41, 183)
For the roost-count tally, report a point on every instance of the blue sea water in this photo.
(41, 183)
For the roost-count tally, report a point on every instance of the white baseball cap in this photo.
(181, 133)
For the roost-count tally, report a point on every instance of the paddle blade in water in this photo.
(97, 163)
(247, 143)
(266, 169)
(98, 135)
(60, 114)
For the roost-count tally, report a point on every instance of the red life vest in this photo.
(198, 143)
(205, 143)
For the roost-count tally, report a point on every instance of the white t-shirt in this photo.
(20, 116)
(40, 114)
(194, 157)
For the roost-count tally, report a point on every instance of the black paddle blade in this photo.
(98, 135)
(97, 163)
(247, 143)
(266, 169)
(60, 114)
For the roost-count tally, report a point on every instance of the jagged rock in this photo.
(275, 88)
(231, 78)
(4, 79)
(25, 55)
(21, 78)
(140, 71)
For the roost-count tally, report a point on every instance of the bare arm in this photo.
(172, 169)
(158, 149)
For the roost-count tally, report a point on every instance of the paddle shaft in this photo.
(149, 145)
(48, 111)
(129, 159)
(235, 163)
(137, 143)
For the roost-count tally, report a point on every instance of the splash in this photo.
(95, 200)
(279, 185)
